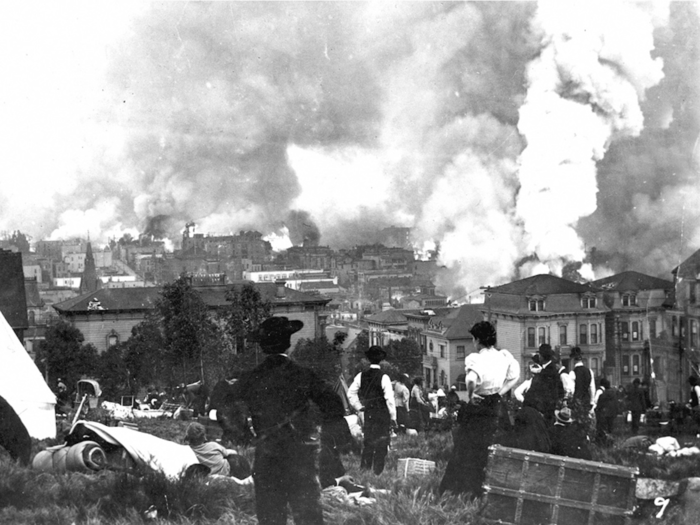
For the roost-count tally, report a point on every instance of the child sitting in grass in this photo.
(220, 460)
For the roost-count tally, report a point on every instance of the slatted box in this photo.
(531, 488)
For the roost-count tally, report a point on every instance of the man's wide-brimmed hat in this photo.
(546, 353)
(375, 353)
(274, 333)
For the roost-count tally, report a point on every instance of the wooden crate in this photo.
(531, 488)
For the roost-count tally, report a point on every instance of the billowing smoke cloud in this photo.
(647, 217)
(583, 92)
(480, 125)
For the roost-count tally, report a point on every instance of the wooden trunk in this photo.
(531, 488)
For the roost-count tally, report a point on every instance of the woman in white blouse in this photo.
(490, 373)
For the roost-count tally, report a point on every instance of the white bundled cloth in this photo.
(161, 455)
(668, 445)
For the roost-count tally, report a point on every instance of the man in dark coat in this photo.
(569, 439)
(229, 414)
(637, 403)
(606, 412)
(13, 434)
(278, 394)
(371, 392)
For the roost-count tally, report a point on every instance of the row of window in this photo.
(587, 334)
(538, 305)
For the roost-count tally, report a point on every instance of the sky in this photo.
(513, 138)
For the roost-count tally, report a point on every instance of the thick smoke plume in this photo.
(584, 91)
(480, 125)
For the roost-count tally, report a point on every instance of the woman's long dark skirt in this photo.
(477, 426)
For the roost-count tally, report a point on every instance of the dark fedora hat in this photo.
(375, 354)
(274, 334)
(546, 352)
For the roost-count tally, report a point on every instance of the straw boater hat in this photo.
(563, 416)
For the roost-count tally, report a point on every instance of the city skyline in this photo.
(517, 136)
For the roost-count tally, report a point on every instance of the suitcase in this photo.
(523, 487)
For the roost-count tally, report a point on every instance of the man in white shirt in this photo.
(371, 392)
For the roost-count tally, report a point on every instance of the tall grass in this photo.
(113, 497)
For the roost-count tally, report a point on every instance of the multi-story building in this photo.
(106, 317)
(389, 325)
(443, 335)
(636, 345)
(548, 309)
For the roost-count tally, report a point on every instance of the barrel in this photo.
(53, 459)
(86, 456)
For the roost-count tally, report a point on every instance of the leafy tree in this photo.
(406, 356)
(403, 357)
(321, 356)
(356, 355)
(63, 354)
(244, 313)
(187, 328)
(112, 371)
(143, 354)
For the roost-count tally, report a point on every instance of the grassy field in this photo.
(109, 497)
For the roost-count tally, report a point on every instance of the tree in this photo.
(63, 354)
(143, 355)
(112, 371)
(245, 310)
(356, 355)
(244, 313)
(187, 329)
(321, 356)
(406, 356)
(402, 357)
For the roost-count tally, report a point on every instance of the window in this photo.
(625, 330)
(595, 367)
(531, 337)
(674, 326)
(635, 331)
(461, 351)
(625, 365)
(541, 336)
(562, 335)
(443, 378)
(588, 302)
(442, 350)
(652, 328)
(629, 300)
(692, 295)
(583, 334)
(693, 332)
(536, 305)
(594, 334)
(431, 347)
(635, 364)
(112, 339)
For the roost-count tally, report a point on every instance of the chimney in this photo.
(280, 292)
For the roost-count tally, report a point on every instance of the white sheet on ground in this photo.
(147, 450)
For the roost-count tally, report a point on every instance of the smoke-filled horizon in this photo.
(501, 132)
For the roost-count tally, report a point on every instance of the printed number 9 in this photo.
(663, 503)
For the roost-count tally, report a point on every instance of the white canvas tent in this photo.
(23, 387)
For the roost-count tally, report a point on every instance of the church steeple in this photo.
(89, 282)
